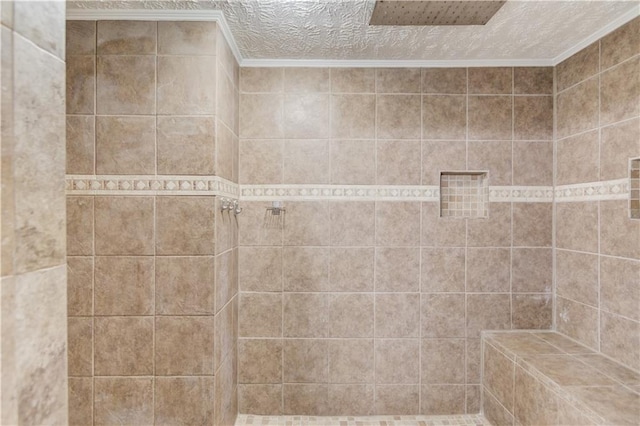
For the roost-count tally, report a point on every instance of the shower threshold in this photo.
(452, 420)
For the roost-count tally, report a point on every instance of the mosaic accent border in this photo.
(452, 420)
(150, 185)
(593, 191)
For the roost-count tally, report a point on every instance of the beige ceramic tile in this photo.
(351, 361)
(79, 226)
(353, 116)
(533, 117)
(397, 315)
(31, 19)
(397, 224)
(442, 315)
(126, 38)
(439, 156)
(306, 161)
(498, 378)
(620, 339)
(578, 67)
(255, 228)
(194, 92)
(444, 80)
(351, 269)
(353, 80)
(260, 268)
(397, 269)
(621, 44)
(578, 321)
(392, 399)
(493, 156)
(576, 226)
(305, 399)
(441, 232)
(261, 116)
(306, 80)
(226, 266)
(124, 225)
(444, 117)
(398, 80)
(533, 80)
(305, 360)
(184, 285)
(577, 159)
(531, 270)
(128, 400)
(80, 38)
(619, 92)
(307, 223)
(398, 117)
(490, 117)
(577, 276)
(398, 162)
(577, 109)
(261, 399)
(123, 346)
(443, 270)
(443, 361)
(488, 270)
(305, 269)
(184, 400)
(351, 315)
(186, 145)
(617, 405)
(124, 285)
(489, 81)
(183, 346)
(261, 80)
(352, 223)
(442, 399)
(619, 292)
(487, 312)
(125, 145)
(532, 311)
(532, 224)
(260, 161)
(79, 285)
(187, 38)
(494, 231)
(397, 361)
(80, 346)
(532, 163)
(494, 412)
(80, 401)
(351, 400)
(619, 235)
(353, 162)
(306, 116)
(80, 144)
(305, 315)
(260, 361)
(618, 143)
(80, 84)
(185, 226)
(126, 85)
(534, 404)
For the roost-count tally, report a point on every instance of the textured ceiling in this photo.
(339, 30)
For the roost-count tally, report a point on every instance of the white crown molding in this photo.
(218, 16)
(634, 12)
(392, 63)
(159, 15)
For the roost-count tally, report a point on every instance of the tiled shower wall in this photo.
(598, 245)
(152, 277)
(33, 338)
(376, 306)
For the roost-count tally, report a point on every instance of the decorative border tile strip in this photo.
(452, 420)
(593, 191)
(150, 185)
(529, 194)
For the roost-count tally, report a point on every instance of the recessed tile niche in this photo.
(464, 194)
(634, 188)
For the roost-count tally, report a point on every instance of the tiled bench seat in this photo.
(545, 378)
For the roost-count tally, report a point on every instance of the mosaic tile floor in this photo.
(460, 420)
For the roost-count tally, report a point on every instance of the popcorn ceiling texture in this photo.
(274, 29)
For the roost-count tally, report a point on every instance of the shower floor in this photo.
(458, 420)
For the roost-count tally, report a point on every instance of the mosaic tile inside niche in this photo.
(634, 185)
(464, 194)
